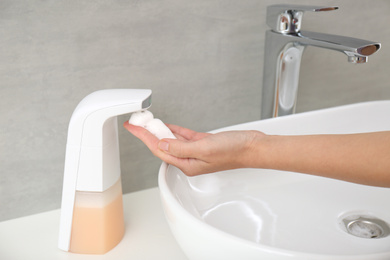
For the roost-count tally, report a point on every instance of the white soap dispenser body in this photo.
(91, 210)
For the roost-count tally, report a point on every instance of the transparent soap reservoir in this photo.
(98, 223)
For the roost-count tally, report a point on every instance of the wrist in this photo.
(259, 150)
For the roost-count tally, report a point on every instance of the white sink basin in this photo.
(265, 214)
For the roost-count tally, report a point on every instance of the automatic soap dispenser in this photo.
(91, 210)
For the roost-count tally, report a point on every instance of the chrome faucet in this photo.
(284, 46)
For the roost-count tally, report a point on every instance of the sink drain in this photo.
(365, 229)
(365, 226)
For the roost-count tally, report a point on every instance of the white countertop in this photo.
(147, 234)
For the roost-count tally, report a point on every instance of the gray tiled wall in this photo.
(202, 59)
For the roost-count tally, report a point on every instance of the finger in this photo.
(181, 131)
(144, 135)
(189, 166)
(186, 133)
(180, 149)
(152, 143)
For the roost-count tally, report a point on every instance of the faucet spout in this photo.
(357, 50)
(284, 46)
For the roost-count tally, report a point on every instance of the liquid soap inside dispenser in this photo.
(98, 223)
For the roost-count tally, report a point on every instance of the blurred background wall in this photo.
(202, 59)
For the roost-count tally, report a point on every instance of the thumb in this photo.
(178, 148)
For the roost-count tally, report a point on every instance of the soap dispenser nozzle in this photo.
(91, 210)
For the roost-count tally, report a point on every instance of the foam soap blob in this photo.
(141, 118)
(146, 120)
(159, 129)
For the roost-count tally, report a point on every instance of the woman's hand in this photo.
(197, 153)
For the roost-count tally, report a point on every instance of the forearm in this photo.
(361, 158)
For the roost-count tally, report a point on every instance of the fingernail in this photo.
(163, 146)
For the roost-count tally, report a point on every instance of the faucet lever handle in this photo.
(284, 18)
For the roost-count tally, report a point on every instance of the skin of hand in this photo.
(360, 158)
(197, 153)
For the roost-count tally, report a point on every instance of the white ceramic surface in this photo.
(265, 214)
